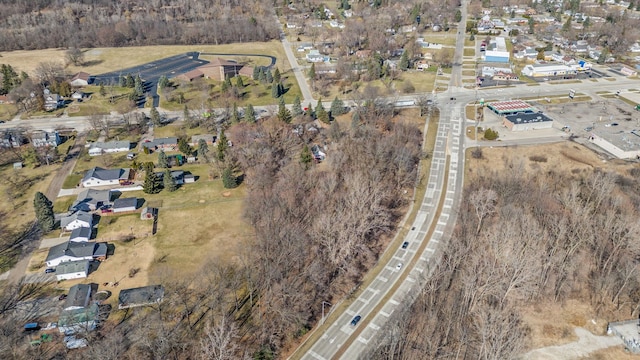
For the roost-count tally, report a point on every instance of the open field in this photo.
(7, 111)
(422, 81)
(103, 60)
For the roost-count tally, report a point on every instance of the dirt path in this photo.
(18, 271)
(586, 344)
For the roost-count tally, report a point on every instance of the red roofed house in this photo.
(80, 79)
(4, 99)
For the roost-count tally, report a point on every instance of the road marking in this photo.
(394, 302)
(363, 340)
(410, 279)
(316, 355)
(385, 314)
(374, 326)
(383, 279)
(430, 249)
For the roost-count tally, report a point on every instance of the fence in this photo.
(632, 344)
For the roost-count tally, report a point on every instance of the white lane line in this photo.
(316, 355)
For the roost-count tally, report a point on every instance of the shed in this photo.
(142, 296)
(125, 204)
(189, 178)
(17, 165)
(148, 213)
(72, 270)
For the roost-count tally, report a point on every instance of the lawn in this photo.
(8, 111)
(103, 60)
(469, 52)
(62, 204)
(440, 38)
(115, 98)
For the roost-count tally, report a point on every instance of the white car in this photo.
(399, 266)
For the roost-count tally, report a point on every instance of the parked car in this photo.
(399, 266)
(405, 244)
(106, 211)
(49, 270)
(356, 320)
(62, 297)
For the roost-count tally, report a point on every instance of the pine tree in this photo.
(163, 163)
(404, 61)
(309, 111)
(138, 85)
(155, 116)
(169, 182)
(256, 73)
(102, 91)
(163, 82)
(283, 113)
(276, 75)
(235, 115)
(203, 148)
(261, 75)
(275, 91)
(312, 72)
(184, 146)
(337, 107)
(296, 108)
(152, 184)
(306, 157)
(239, 82)
(44, 212)
(222, 146)
(250, 114)
(227, 82)
(131, 83)
(123, 81)
(269, 76)
(229, 181)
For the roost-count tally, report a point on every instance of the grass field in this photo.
(102, 60)
(469, 52)
(8, 111)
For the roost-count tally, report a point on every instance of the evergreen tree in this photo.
(337, 107)
(102, 91)
(269, 76)
(186, 115)
(184, 147)
(261, 75)
(306, 157)
(250, 114)
(312, 72)
(235, 115)
(404, 61)
(296, 108)
(275, 91)
(229, 181)
(256, 73)
(224, 88)
(44, 212)
(227, 82)
(222, 146)
(155, 116)
(163, 82)
(321, 113)
(309, 111)
(283, 112)
(138, 85)
(169, 182)
(203, 148)
(163, 163)
(123, 81)
(239, 82)
(152, 184)
(276, 75)
(130, 82)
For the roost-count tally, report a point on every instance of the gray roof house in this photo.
(40, 138)
(91, 199)
(99, 148)
(76, 220)
(168, 143)
(101, 177)
(51, 101)
(11, 138)
(74, 251)
(73, 270)
(177, 175)
(142, 296)
(125, 204)
(81, 234)
(80, 296)
(208, 138)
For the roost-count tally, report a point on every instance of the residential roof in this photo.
(81, 75)
(528, 118)
(71, 267)
(125, 203)
(207, 137)
(77, 249)
(105, 174)
(141, 296)
(95, 195)
(161, 142)
(81, 232)
(79, 294)
(110, 145)
(78, 215)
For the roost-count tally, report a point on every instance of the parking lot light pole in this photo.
(324, 302)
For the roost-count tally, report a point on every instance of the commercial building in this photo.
(527, 121)
(510, 107)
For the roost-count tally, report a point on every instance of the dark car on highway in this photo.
(356, 320)
(405, 244)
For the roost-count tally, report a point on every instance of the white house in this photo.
(125, 204)
(75, 251)
(81, 234)
(80, 79)
(72, 270)
(76, 220)
(101, 177)
(99, 148)
(41, 138)
(314, 56)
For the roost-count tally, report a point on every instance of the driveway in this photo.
(586, 344)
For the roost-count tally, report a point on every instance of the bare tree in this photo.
(484, 204)
(219, 341)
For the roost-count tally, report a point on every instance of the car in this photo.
(356, 320)
(399, 266)
(49, 270)
(587, 129)
(106, 211)
(405, 244)
(62, 297)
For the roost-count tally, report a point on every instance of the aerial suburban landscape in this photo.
(305, 179)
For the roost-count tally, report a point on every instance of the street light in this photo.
(324, 302)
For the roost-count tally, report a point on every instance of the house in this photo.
(75, 251)
(422, 64)
(189, 178)
(79, 296)
(314, 56)
(125, 204)
(91, 199)
(167, 144)
(72, 270)
(627, 71)
(81, 234)
(78, 95)
(363, 54)
(540, 70)
(177, 175)
(528, 54)
(489, 70)
(76, 220)
(102, 177)
(78, 320)
(80, 79)
(208, 139)
(99, 148)
(52, 101)
(41, 138)
(4, 99)
(142, 296)
(12, 138)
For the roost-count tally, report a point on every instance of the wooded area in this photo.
(521, 239)
(28, 25)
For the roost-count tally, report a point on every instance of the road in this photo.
(307, 97)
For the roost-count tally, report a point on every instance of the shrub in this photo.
(538, 158)
(408, 87)
(490, 134)
(476, 153)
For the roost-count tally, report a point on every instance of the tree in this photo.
(102, 91)
(269, 76)
(490, 134)
(222, 146)
(276, 75)
(256, 73)
(337, 107)
(163, 82)
(155, 116)
(275, 91)
(239, 82)
(235, 115)
(296, 108)
(229, 181)
(283, 113)
(184, 146)
(404, 61)
(169, 182)
(162, 160)
(306, 157)
(321, 113)
(458, 16)
(75, 56)
(152, 184)
(249, 114)
(312, 72)
(44, 212)
(138, 86)
(203, 148)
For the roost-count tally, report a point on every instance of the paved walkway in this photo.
(586, 344)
